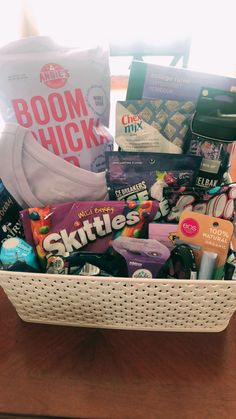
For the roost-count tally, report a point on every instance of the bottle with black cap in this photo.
(213, 133)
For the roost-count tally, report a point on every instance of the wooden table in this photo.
(88, 373)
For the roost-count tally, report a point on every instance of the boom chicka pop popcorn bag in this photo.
(61, 94)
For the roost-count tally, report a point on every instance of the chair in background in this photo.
(177, 50)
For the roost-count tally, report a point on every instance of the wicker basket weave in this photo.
(121, 303)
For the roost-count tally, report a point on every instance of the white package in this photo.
(61, 94)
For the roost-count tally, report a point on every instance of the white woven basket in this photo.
(121, 303)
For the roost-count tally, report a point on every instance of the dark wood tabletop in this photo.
(95, 373)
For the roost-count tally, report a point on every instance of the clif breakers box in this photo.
(152, 81)
(61, 94)
(85, 226)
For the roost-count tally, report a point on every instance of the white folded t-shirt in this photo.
(36, 177)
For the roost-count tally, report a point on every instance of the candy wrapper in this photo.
(217, 202)
(85, 226)
(137, 176)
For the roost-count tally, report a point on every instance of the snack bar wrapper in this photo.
(85, 226)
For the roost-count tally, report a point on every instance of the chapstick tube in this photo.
(207, 265)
